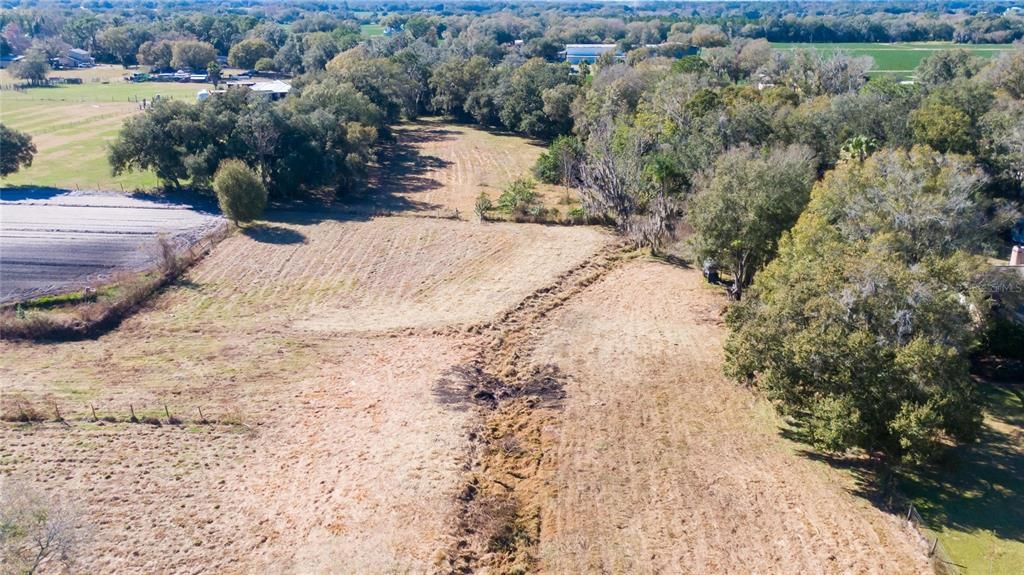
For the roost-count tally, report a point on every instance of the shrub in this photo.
(519, 199)
(240, 192)
(264, 65)
(577, 216)
(19, 409)
(37, 532)
(483, 205)
(559, 164)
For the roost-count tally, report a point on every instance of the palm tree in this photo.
(858, 148)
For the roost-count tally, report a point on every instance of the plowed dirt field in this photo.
(53, 241)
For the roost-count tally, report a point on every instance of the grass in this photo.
(974, 503)
(91, 313)
(898, 59)
(371, 30)
(72, 126)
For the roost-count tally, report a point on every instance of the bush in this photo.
(519, 199)
(577, 216)
(37, 532)
(265, 65)
(559, 164)
(483, 205)
(240, 192)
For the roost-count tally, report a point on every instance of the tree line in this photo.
(851, 217)
(129, 33)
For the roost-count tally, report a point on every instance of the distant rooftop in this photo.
(588, 49)
(576, 53)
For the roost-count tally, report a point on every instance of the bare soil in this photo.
(55, 242)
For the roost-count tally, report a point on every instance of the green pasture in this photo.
(975, 501)
(897, 59)
(72, 126)
(371, 30)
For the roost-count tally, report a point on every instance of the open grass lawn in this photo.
(72, 125)
(897, 59)
(370, 30)
(976, 502)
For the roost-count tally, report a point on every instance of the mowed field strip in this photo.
(661, 465)
(315, 343)
(439, 167)
(71, 126)
(898, 59)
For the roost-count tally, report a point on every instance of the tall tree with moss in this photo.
(741, 208)
(861, 329)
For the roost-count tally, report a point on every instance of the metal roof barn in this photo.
(589, 53)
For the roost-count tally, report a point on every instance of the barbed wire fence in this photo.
(939, 556)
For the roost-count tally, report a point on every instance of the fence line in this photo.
(939, 556)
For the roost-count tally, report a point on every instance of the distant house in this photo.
(78, 58)
(762, 81)
(1017, 256)
(271, 90)
(589, 53)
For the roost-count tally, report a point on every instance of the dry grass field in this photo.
(314, 346)
(442, 168)
(660, 465)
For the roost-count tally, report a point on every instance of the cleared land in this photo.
(898, 59)
(314, 347)
(71, 126)
(659, 464)
(346, 458)
(54, 242)
(442, 168)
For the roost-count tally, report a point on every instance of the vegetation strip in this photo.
(94, 311)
